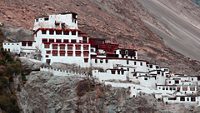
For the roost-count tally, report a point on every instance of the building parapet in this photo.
(60, 72)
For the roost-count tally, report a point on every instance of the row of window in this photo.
(135, 63)
(59, 32)
(69, 47)
(178, 88)
(183, 99)
(27, 43)
(117, 71)
(64, 40)
(10, 43)
(101, 61)
(69, 53)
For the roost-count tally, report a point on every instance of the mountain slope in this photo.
(181, 21)
(124, 21)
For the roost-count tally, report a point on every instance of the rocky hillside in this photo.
(44, 93)
(131, 23)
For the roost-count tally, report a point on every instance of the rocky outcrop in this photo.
(124, 21)
(45, 93)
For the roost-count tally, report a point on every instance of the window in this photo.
(113, 71)
(23, 43)
(174, 88)
(44, 31)
(86, 53)
(84, 39)
(46, 46)
(78, 53)
(157, 67)
(48, 52)
(62, 46)
(151, 66)
(73, 41)
(163, 88)
(118, 71)
(73, 32)
(85, 60)
(44, 40)
(95, 60)
(66, 41)
(66, 32)
(122, 72)
(158, 72)
(51, 40)
(127, 61)
(145, 78)
(62, 53)
(166, 88)
(176, 81)
(58, 40)
(58, 32)
(192, 88)
(126, 52)
(169, 82)
(182, 98)
(54, 53)
(135, 63)
(140, 63)
(85, 47)
(55, 46)
(193, 99)
(51, 32)
(185, 88)
(70, 53)
(46, 19)
(101, 60)
(172, 98)
(70, 47)
(106, 60)
(187, 98)
(30, 43)
(36, 20)
(170, 88)
(78, 47)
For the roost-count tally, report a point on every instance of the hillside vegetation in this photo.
(9, 67)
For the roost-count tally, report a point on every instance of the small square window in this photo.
(44, 31)
(101, 61)
(51, 32)
(73, 41)
(73, 32)
(66, 32)
(66, 41)
(46, 19)
(86, 60)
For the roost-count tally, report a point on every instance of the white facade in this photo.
(67, 20)
(12, 47)
(116, 75)
(26, 47)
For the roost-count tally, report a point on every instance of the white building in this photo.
(58, 39)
